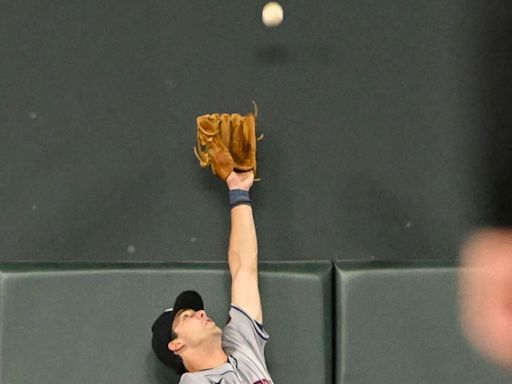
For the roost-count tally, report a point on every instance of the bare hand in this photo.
(486, 293)
(240, 180)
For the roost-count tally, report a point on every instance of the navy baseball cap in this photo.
(162, 329)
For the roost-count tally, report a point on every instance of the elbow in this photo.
(245, 274)
(247, 262)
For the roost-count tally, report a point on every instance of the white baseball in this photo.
(272, 14)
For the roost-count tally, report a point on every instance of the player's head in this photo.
(179, 332)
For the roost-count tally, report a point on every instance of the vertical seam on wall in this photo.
(2, 295)
(334, 316)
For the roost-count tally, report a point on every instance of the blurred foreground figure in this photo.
(486, 293)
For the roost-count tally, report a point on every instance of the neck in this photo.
(206, 357)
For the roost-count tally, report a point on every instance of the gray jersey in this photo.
(243, 339)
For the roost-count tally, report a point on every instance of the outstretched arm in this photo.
(243, 251)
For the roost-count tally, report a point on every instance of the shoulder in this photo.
(241, 321)
(193, 378)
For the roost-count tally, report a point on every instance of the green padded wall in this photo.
(385, 123)
(398, 324)
(91, 323)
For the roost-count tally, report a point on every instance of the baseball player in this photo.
(186, 339)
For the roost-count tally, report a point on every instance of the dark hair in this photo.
(179, 366)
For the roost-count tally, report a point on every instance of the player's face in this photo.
(194, 327)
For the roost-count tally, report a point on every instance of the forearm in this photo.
(243, 248)
(243, 245)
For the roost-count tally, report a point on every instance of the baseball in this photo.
(272, 14)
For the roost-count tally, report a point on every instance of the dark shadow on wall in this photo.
(496, 101)
(275, 54)
(281, 54)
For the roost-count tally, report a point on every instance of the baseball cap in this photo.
(162, 329)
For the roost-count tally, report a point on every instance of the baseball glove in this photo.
(227, 142)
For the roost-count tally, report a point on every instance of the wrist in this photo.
(237, 187)
(238, 196)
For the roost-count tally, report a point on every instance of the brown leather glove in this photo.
(227, 142)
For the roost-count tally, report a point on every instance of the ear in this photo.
(175, 345)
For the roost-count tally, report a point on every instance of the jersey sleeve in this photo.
(243, 333)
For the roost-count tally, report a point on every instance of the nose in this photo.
(201, 314)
